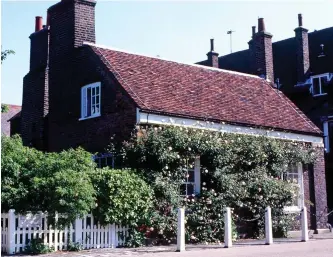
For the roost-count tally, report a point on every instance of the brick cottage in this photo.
(77, 93)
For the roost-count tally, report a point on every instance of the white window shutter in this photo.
(326, 137)
(197, 176)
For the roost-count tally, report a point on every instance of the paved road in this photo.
(312, 248)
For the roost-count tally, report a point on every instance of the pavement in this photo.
(319, 247)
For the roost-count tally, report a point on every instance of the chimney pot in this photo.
(212, 44)
(38, 23)
(300, 20)
(253, 30)
(261, 25)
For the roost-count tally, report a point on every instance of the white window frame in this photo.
(197, 178)
(327, 75)
(84, 114)
(300, 182)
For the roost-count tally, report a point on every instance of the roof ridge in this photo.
(12, 105)
(190, 64)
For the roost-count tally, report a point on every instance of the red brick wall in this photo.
(118, 112)
(315, 191)
(320, 189)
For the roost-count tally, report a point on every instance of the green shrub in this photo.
(36, 246)
(74, 247)
(122, 197)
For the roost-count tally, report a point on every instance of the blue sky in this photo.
(175, 30)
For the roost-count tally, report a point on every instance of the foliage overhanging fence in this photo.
(17, 230)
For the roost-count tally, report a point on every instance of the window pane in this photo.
(190, 189)
(315, 86)
(183, 189)
(89, 102)
(324, 85)
(190, 175)
(93, 91)
(97, 90)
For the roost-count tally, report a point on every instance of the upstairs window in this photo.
(319, 85)
(91, 100)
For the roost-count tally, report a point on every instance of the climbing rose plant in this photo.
(239, 171)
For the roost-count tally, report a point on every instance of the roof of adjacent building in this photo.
(13, 110)
(284, 58)
(196, 91)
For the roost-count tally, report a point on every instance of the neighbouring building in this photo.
(78, 93)
(301, 67)
(10, 122)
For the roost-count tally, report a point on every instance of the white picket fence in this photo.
(17, 230)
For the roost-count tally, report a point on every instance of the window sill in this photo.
(90, 117)
(319, 95)
(291, 209)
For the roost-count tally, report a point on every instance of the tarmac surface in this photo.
(319, 247)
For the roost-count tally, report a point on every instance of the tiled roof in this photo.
(201, 92)
(5, 124)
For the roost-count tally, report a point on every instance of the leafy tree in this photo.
(5, 53)
(53, 182)
(4, 108)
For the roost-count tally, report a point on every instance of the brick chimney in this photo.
(302, 50)
(71, 23)
(262, 52)
(35, 88)
(213, 57)
(39, 41)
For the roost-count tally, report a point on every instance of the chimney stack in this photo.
(302, 50)
(213, 57)
(261, 25)
(38, 23)
(261, 52)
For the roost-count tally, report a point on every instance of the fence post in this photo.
(304, 222)
(268, 226)
(181, 230)
(227, 228)
(78, 231)
(11, 230)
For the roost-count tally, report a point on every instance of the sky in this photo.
(174, 30)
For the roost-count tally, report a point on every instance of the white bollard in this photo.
(304, 223)
(181, 230)
(11, 232)
(268, 226)
(227, 228)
